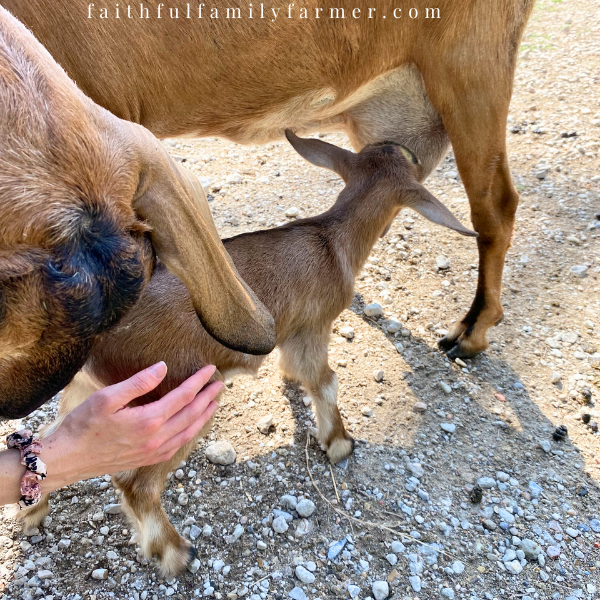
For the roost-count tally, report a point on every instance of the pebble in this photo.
(297, 594)
(354, 591)
(182, 499)
(535, 489)
(553, 552)
(304, 575)
(489, 525)
(195, 532)
(442, 263)
(290, 502)
(292, 213)
(417, 470)
(531, 549)
(545, 445)
(236, 535)
(571, 532)
(280, 525)
(112, 509)
(448, 427)
(393, 325)
(420, 407)
(448, 593)
(398, 547)
(336, 548)
(221, 453)
(415, 583)
(595, 525)
(112, 555)
(305, 508)
(265, 424)
(347, 332)
(100, 574)
(378, 375)
(373, 310)
(579, 271)
(486, 483)
(381, 590)
(513, 567)
(445, 387)
(366, 411)
(392, 559)
(458, 567)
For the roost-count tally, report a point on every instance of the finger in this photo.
(121, 394)
(192, 412)
(171, 403)
(190, 432)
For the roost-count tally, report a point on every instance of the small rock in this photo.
(347, 332)
(531, 549)
(417, 470)
(535, 489)
(354, 591)
(297, 594)
(112, 555)
(545, 445)
(442, 263)
(553, 552)
(292, 213)
(45, 574)
(514, 567)
(415, 583)
(290, 502)
(445, 387)
(595, 525)
(556, 377)
(571, 532)
(183, 499)
(579, 271)
(336, 548)
(304, 575)
(236, 535)
(112, 509)
(448, 593)
(448, 427)
(378, 375)
(305, 508)
(366, 411)
(398, 547)
(100, 574)
(458, 567)
(207, 530)
(393, 325)
(392, 559)
(195, 532)
(381, 590)
(373, 310)
(420, 407)
(265, 424)
(486, 483)
(489, 525)
(280, 525)
(221, 453)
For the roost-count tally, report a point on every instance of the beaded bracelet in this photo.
(30, 448)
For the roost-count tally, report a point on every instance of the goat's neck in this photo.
(358, 218)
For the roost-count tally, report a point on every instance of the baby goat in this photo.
(304, 274)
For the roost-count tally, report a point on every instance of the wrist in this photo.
(62, 464)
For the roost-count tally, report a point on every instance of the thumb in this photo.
(121, 394)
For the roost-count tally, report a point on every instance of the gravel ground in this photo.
(430, 430)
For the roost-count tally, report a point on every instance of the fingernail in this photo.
(159, 370)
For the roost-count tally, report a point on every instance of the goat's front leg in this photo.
(72, 396)
(141, 489)
(305, 359)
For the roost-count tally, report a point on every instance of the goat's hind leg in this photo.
(72, 396)
(305, 360)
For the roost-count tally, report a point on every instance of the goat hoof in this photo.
(459, 351)
(447, 343)
(193, 554)
(340, 449)
(175, 559)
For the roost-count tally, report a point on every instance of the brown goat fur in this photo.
(303, 272)
(85, 201)
(421, 82)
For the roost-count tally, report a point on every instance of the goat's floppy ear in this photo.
(172, 201)
(427, 205)
(322, 154)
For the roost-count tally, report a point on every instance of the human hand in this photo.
(103, 435)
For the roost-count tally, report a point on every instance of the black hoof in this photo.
(457, 352)
(193, 554)
(446, 343)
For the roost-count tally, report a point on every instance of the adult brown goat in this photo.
(86, 200)
(303, 272)
(441, 72)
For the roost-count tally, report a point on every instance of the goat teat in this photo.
(391, 170)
